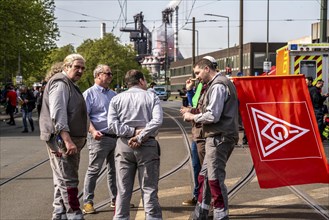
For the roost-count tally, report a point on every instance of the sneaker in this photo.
(190, 202)
(112, 204)
(88, 208)
(25, 131)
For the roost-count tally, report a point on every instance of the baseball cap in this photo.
(212, 60)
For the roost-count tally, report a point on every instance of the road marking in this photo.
(170, 137)
(278, 201)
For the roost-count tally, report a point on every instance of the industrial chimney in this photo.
(103, 29)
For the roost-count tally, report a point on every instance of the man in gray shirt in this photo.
(135, 116)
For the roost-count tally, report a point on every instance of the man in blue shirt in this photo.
(101, 143)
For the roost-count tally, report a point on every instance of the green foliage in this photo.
(107, 50)
(27, 33)
(55, 56)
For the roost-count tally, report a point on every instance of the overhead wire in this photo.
(74, 12)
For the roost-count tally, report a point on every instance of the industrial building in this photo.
(253, 59)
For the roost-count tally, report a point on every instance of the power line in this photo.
(74, 12)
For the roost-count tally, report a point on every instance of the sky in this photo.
(79, 20)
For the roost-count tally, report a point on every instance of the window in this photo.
(259, 59)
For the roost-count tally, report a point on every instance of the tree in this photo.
(56, 55)
(27, 34)
(107, 50)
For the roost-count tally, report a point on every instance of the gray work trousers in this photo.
(145, 160)
(65, 176)
(100, 151)
(212, 177)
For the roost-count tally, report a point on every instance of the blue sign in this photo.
(293, 47)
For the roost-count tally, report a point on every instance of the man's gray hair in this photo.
(68, 61)
(99, 69)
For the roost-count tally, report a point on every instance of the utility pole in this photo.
(323, 21)
(193, 42)
(241, 37)
(267, 28)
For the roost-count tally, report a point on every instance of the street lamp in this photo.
(197, 35)
(228, 33)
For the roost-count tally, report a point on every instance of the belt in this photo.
(131, 137)
(109, 135)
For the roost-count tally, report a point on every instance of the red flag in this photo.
(282, 131)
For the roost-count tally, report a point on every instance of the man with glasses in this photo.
(101, 143)
(63, 125)
(135, 116)
(219, 119)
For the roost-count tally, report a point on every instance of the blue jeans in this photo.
(28, 115)
(196, 168)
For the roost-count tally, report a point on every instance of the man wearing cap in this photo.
(198, 141)
(219, 119)
(101, 144)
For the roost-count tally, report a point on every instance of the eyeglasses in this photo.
(77, 67)
(108, 73)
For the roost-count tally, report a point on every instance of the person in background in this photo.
(151, 88)
(64, 126)
(309, 81)
(135, 116)
(219, 119)
(39, 98)
(182, 94)
(195, 156)
(318, 100)
(11, 98)
(190, 91)
(36, 88)
(27, 101)
(101, 143)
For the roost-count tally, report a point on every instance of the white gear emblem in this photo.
(277, 132)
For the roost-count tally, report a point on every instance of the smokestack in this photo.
(174, 5)
(176, 35)
(103, 29)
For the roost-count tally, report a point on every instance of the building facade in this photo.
(254, 55)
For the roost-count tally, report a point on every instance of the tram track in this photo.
(322, 211)
(24, 172)
(245, 180)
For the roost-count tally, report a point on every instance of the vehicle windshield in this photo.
(159, 89)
